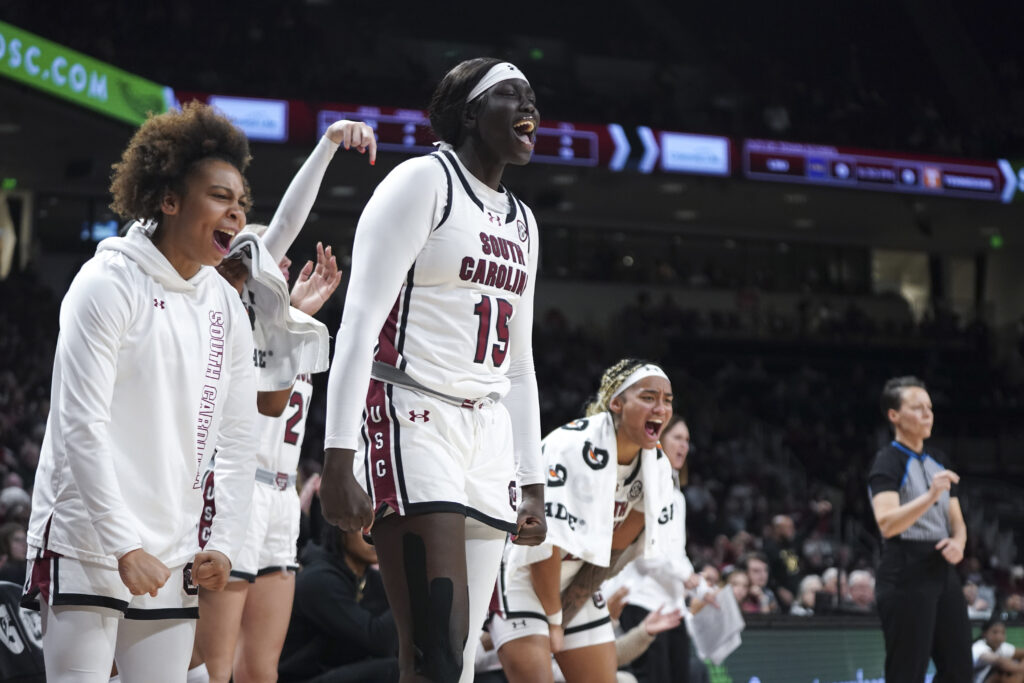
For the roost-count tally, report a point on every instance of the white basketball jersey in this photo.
(449, 326)
(281, 437)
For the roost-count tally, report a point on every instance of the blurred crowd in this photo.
(784, 430)
(28, 320)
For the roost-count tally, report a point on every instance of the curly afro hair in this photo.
(165, 149)
(449, 100)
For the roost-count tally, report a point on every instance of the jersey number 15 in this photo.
(503, 312)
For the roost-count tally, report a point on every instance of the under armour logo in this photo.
(425, 415)
(494, 218)
(157, 303)
(520, 623)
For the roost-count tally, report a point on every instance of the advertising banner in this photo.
(72, 76)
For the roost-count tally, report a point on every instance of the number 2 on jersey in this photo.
(504, 313)
(290, 435)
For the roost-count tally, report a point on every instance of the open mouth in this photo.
(526, 131)
(652, 428)
(222, 239)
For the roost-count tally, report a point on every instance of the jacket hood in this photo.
(137, 245)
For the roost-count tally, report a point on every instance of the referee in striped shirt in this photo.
(920, 599)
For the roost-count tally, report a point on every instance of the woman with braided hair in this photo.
(609, 488)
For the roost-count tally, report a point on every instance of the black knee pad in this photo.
(436, 656)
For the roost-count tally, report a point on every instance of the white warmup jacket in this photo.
(152, 373)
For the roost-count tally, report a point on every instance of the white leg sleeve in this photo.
(78, 643)
(484, 546)
(154, 651)
(198, 675)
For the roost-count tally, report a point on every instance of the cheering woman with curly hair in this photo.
(153, 369)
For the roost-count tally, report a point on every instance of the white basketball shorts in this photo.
(62, 581)
(522, 614)
(272, 535)
(422, 454)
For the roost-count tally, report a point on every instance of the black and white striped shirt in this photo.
(898, 468)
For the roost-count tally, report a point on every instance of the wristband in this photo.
(555, 619)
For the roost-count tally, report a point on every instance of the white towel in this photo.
(715, 631)
(288, 342)
(580, 493)
(655, 582)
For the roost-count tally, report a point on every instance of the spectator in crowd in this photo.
(13, 550)
(761, 599)
(785, 551)
(711, 574)
(977, 606)
(1013, 607)
(739, 582)
(341, 627)
(834, 583)
(14, 502)
(862, 591)
(809, 588)
(995, 660)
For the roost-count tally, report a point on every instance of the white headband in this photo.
(642, 372)
(504, 71)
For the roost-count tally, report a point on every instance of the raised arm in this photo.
(298, 199)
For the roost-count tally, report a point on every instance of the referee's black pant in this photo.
(921, 604)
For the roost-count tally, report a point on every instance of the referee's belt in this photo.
(282, 481)
(382, 372)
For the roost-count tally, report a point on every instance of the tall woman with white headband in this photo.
(432, 411)
(609, 496)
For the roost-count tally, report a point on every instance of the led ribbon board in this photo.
(794, 162)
